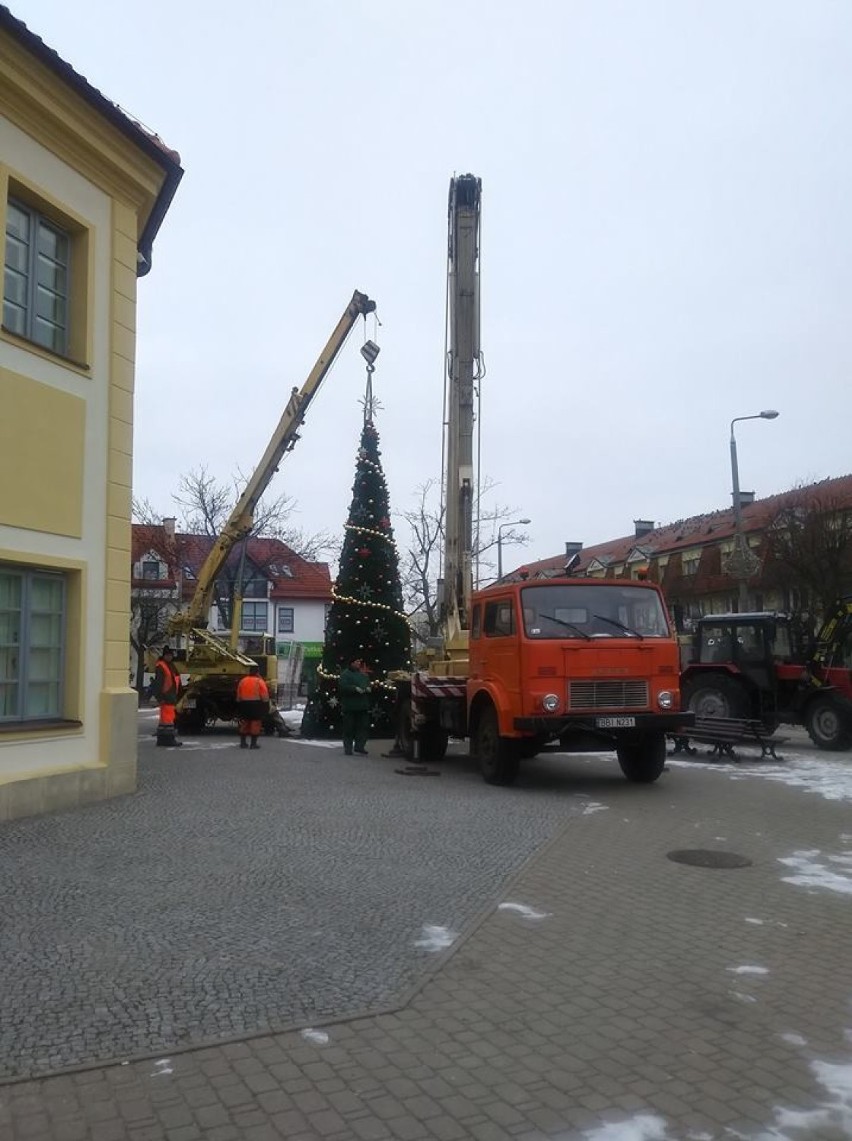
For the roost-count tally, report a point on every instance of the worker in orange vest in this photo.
(165, 689)
(253, 705)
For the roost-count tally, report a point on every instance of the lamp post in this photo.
(740, 551)
(500, 544)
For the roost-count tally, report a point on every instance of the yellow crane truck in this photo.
(213, 664)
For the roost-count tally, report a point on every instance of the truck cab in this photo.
(554, 658)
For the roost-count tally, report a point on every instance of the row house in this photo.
(84, 189)
(284, 596)
(793, 549)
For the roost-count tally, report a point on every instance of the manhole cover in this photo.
(708, 858)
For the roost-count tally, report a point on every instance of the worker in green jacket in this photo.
(354, 690)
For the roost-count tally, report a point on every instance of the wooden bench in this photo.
(723, 733)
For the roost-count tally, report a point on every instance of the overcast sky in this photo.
(667, 213)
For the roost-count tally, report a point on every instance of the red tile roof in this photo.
(700, 530)
(185, 555)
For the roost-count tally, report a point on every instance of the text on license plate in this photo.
(615, 722)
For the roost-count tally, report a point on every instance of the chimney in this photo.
(746, 498)
(643, 527)
(169, 526)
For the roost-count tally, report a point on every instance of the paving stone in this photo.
(621, 1002)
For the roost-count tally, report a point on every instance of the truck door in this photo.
(501, 658)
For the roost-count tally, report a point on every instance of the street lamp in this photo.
(740, 552)
(500, 544)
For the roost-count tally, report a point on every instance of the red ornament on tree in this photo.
(384, 523)
(364, 552)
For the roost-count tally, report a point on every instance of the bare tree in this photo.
(150, 610)
(204, 505)
(809, 551)
(420, 565)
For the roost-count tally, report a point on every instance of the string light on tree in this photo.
(366, 617)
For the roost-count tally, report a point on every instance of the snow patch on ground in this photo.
(524, 911)
(318, 1037)
(316, 744)
(793, 1039)
(814, 870)
(738, 994)
(827, 777)
(164, 1067)
(588, 809)
(751, 919)
(644, 1127)
(748, 970)
(436, 938)
(833, 1119)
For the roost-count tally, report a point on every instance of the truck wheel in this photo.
(643, 761)
(404, 736)
(715, 696)
(192, 721)
(433, 739)
(825, 725)
(433, 743)
(499, 760)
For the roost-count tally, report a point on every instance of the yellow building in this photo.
(83, 191)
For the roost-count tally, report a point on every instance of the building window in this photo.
(254, 616)
(690, 563)
(285, 619)
(35, 292)
(256, 588)
(151, 570)
(32, 643)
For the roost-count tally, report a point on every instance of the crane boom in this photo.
(462, 373)
(283, 440)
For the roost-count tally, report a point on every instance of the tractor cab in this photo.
(737, 666)
(745, 640)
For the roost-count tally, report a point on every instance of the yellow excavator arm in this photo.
(239, 524)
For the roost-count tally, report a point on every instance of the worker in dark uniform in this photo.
(165, 689)
(253, 706)
(354, 691)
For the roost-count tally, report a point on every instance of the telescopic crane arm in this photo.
(283, 439)
(462, 373)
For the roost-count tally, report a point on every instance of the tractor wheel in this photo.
(643, 761)
(715, 695)
(499, 759)
(826, 726)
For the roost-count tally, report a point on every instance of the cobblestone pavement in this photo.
(238, 893)
(606, 993)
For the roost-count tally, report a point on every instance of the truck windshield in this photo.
(581, 611)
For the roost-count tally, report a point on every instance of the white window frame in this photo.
(20, 714)
(30, 323)
(254, 628)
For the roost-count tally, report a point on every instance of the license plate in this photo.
(190, 703)
(615, 722)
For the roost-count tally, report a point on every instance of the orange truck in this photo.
(552, 659)
(521, 664)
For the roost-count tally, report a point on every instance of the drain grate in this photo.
(708, 858)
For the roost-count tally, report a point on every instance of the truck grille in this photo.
(610, 694)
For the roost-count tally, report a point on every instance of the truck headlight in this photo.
(550, 702)
(665, 699)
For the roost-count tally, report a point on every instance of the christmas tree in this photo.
(366, 619)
